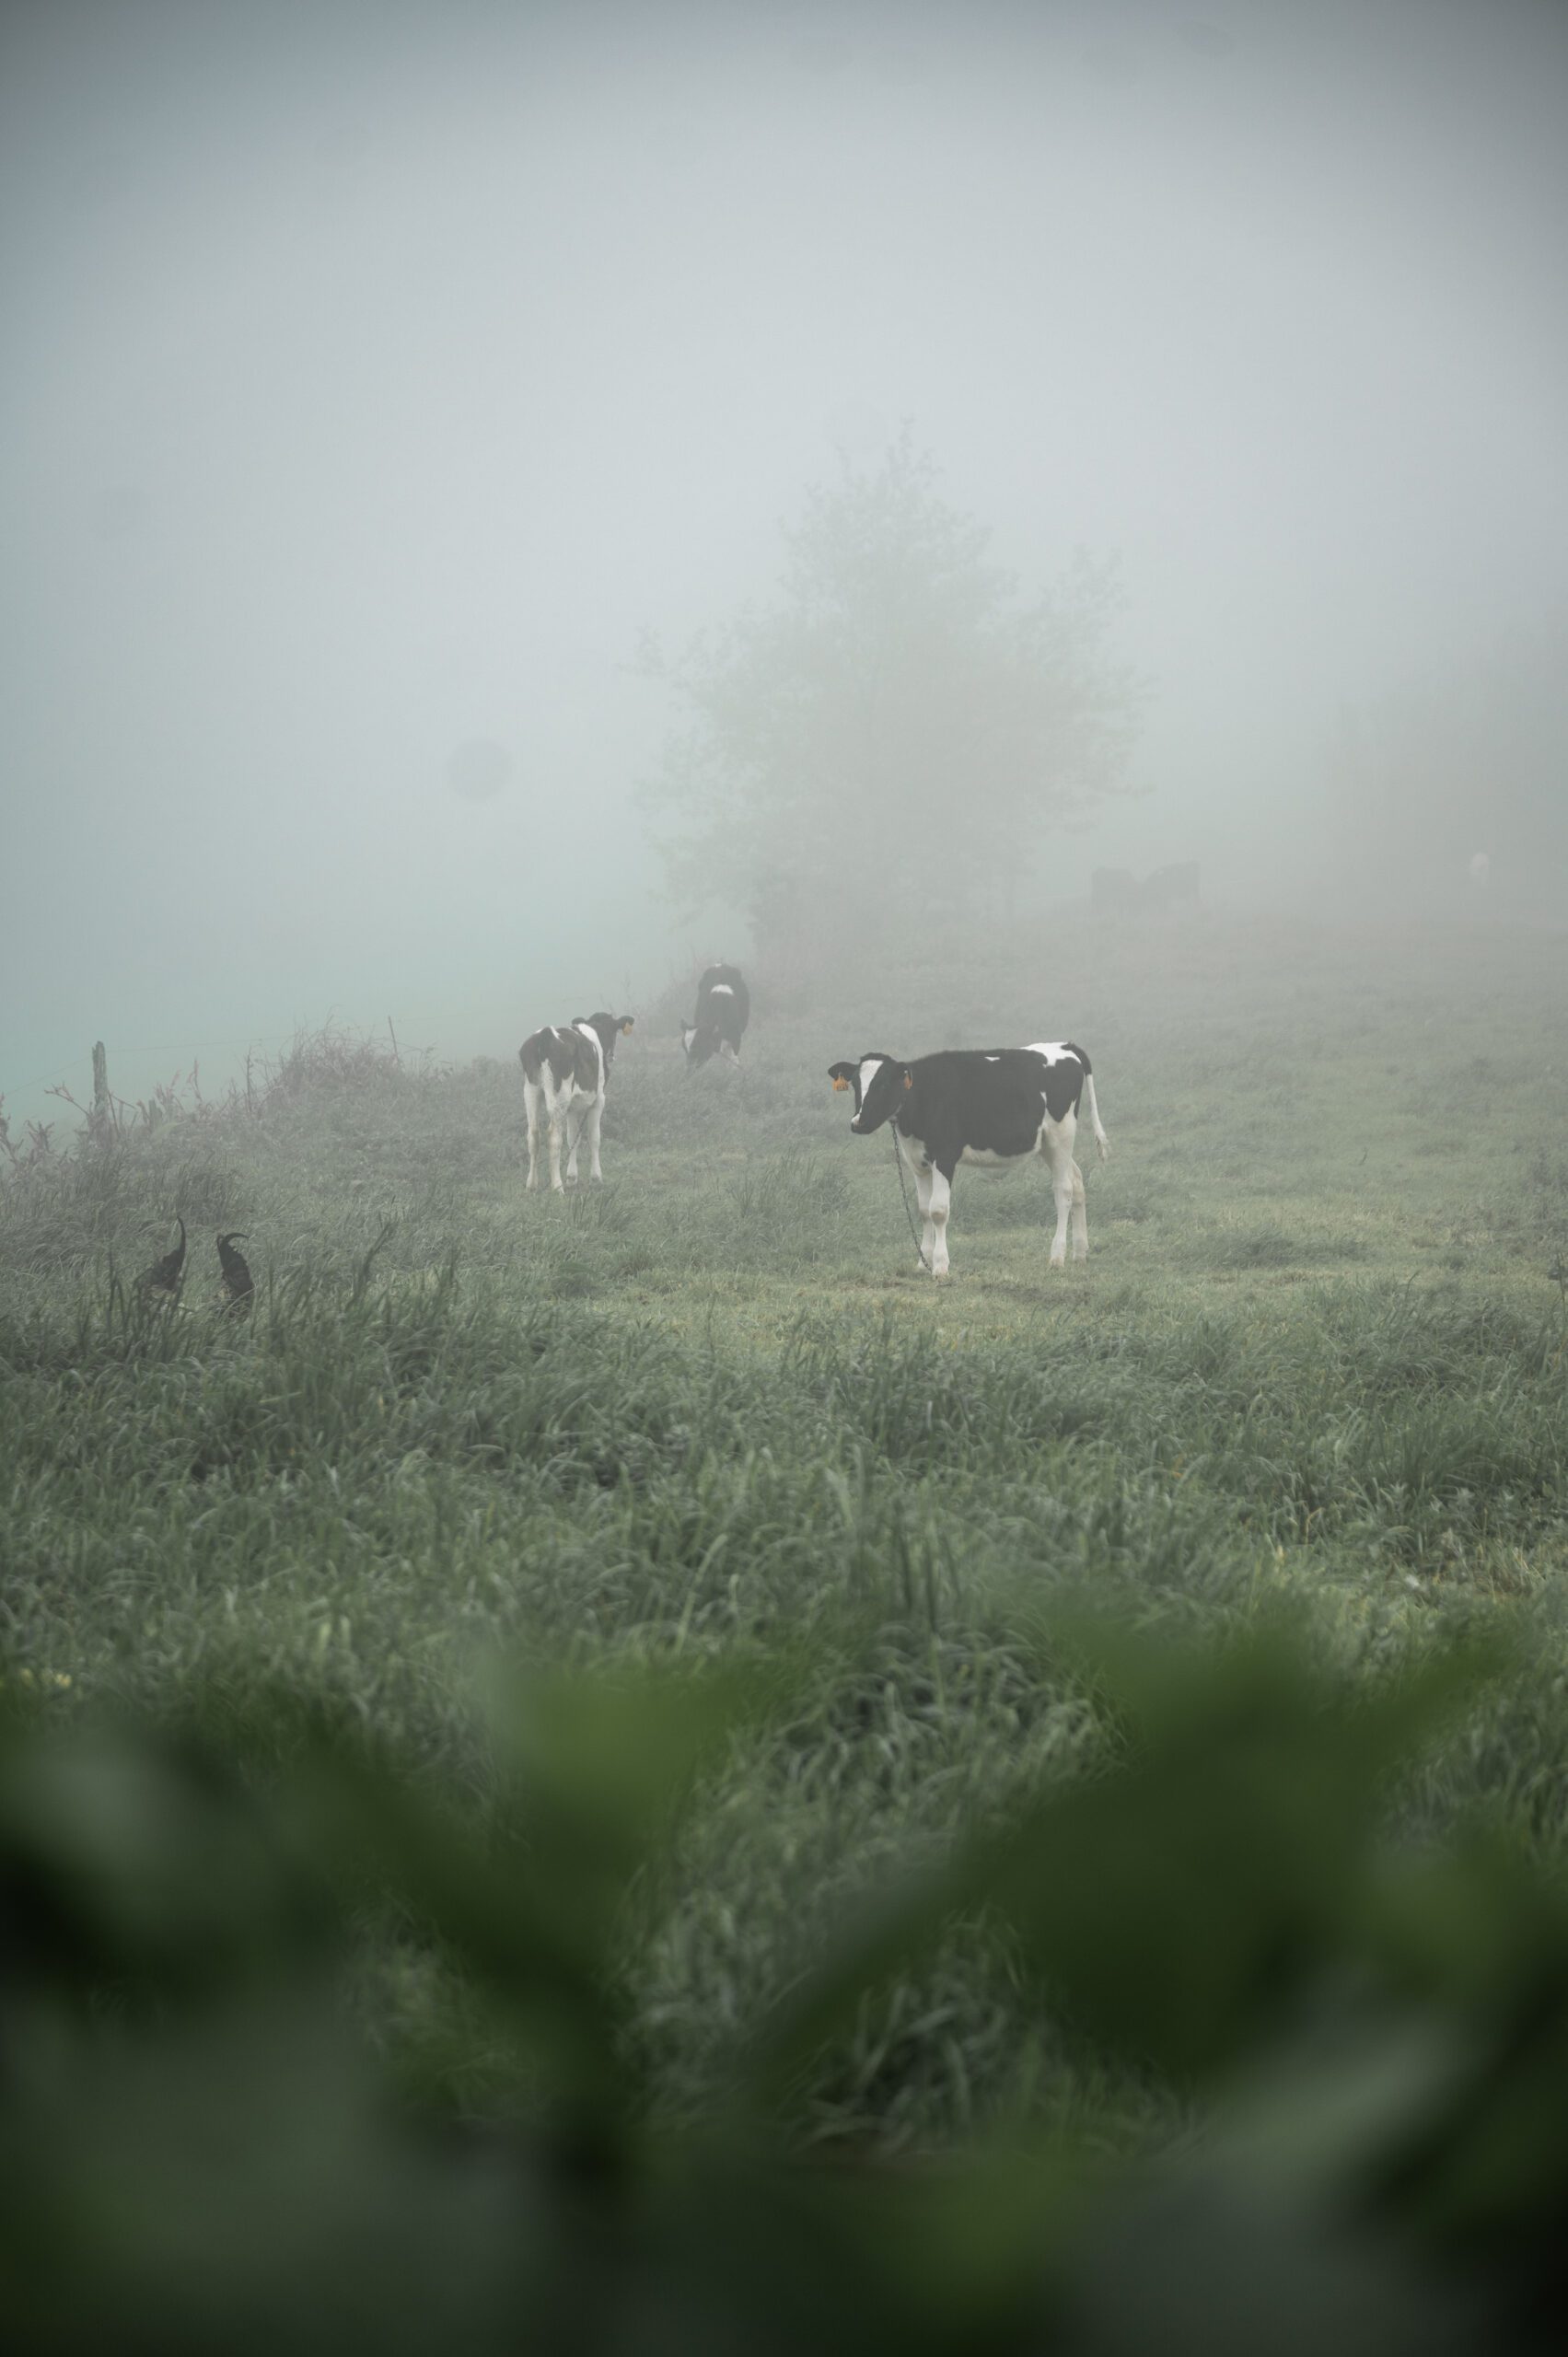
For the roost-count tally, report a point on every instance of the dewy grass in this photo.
(717, 1407)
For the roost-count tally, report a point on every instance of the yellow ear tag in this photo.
(838, 1085)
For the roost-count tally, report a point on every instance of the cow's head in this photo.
(608, 1027)
(700, 1041)
(878, 1083)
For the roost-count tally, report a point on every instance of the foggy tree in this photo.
(899, 736)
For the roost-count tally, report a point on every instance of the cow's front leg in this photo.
(574, 1136)
(937, 1223)
(923, 1175)
(1080, 1217)
(557, 1116)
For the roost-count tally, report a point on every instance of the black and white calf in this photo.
(565, 1074)
(995, 1107)
(723, 1009)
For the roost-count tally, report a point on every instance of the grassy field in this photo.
(1316, 1364)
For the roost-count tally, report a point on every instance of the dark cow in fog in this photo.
(723, 1009)
(1171, 887)
(565, 1074)
(996, 1107)
(1116, 892)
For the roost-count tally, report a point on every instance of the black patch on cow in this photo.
(990, 1100)
(1064, 1081)
(568, 1054)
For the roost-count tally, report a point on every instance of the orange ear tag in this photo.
(909, 1080)
(626, 1026)
(838, 1085)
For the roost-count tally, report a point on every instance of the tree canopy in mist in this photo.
(897, 734)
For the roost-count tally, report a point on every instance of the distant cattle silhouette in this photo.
(1116, 892)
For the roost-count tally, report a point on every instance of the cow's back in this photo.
(559, 1058)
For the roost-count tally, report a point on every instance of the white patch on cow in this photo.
(870, 1067)
(1051, 1050)
(585, 1031)
(720, 989)
(993, 1060)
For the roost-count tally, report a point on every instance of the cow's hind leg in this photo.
(589, 1131)
(1062, 1168)
(533, 1110)
(560, 1113)
(1080, 1220)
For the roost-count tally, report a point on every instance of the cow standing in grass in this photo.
(564, 1072)
(995, 1107)
(723, 1009)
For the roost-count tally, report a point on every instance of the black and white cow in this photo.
(996, 1107)
(565, 1074)
(723, 1009)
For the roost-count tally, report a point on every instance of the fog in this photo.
(377, 375)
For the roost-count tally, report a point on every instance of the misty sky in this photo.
(374, 375)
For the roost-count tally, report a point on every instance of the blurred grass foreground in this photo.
(205, 2145)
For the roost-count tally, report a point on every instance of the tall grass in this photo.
(712, 1413)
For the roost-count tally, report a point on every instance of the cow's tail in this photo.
(1087, 1102)
(1102, 1143)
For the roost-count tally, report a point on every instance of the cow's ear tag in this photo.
(909, 1080)
(840, 1083)
(626, 1026)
